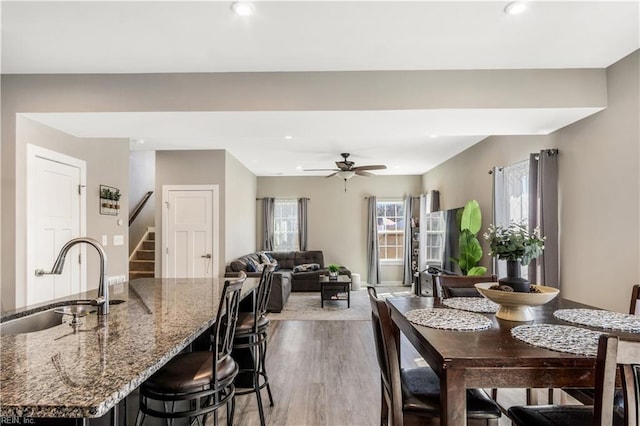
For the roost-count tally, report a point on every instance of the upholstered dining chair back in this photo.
(461, 285)
(226, 319)
(388, 357)
(623, 355)
(377, 336)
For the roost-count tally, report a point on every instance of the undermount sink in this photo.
(51, 317)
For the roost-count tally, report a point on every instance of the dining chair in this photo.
(614, 353)
(194, 384)
(635, 295)
(251, 334)
(587, 395)
(461, 285)
(412, 396)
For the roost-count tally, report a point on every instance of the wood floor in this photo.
(322, 373)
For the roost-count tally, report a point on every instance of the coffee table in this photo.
(336, 289)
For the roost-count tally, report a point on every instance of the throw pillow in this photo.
(273, 262)
(263, 257)
(251, 266)
(306, 267)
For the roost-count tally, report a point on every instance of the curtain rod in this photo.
(280, 198)
(550, 151)
(413, 196)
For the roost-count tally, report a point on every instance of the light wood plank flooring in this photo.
(323, 373)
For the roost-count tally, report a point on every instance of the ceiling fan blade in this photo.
(372, 167)
(363, 173)
(331, 175)
(342, 165)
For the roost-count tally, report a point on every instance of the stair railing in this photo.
(139, 207)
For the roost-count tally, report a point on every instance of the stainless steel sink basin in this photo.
(51, 317)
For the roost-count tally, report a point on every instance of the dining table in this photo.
(492, 357)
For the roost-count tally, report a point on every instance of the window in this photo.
(285, 225)
(390, 230)
(513, 203)
(434, 228)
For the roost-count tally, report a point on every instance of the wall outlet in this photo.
(118, 240)
(116, 279)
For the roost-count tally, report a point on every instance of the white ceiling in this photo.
(204, 36)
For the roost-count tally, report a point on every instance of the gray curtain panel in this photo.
(543, 189)
(407, 275)
(267, 223)
(373, 252)
(548, 195)
(302, 223)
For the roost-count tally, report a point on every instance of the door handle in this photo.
(206, 256)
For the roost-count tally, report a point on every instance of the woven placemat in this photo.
(561, 338)
(472, 304)
(448, 319)
(600, 318)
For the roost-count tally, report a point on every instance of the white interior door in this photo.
(56, 214)
(190, 231)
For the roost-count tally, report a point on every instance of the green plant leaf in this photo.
(471, 217)
(477, 271)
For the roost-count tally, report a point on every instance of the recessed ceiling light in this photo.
(140, 141)
(298, 167)
(288, 137)
(241, 8)
(433, 136)
(515, 8)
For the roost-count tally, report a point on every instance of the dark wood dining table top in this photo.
(493, 358)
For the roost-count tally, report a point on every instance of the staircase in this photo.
(142, 261)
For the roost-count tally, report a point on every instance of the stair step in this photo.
(145, 255)
(140, 274)
(148, 245)
(151, 236)
(141, 265)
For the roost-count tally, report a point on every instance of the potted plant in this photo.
(105, 195)
(470, 250)
(116, 199)
(333, 271)
(515, 244)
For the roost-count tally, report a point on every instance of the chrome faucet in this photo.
(102, 301)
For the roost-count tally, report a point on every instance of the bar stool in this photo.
(201, 380)
(251, 334)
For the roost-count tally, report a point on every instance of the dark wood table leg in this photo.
(453, 395)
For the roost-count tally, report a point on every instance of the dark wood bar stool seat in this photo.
(195, 384)
(251, 334)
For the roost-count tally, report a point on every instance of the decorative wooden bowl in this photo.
(517, 306)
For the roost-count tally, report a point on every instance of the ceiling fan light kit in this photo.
(346, 169)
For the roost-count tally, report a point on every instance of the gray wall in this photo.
(142, 178)
(107, 163)
(599, 187)
(337, 219)
(190, 168)
(240, 206)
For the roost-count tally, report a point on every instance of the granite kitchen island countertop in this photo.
(84, 371)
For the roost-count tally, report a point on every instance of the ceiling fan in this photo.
(347, 169)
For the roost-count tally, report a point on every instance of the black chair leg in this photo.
(263, 362)
(256, 382)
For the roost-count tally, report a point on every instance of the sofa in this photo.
(295, 271)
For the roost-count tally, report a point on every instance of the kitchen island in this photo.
(83, 371)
